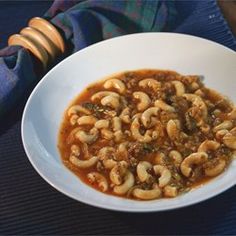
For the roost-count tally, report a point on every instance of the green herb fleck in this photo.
(95, 108)
(149, 148)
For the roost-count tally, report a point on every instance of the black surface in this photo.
(28, 205)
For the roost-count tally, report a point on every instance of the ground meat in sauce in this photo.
(131, 152)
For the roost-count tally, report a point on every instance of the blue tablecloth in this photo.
(28, 205)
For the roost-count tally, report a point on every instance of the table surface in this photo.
(28, 205)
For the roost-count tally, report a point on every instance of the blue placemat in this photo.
(28, 205)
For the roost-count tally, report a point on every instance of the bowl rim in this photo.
(96, 204)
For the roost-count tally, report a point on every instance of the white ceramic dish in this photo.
(44, 110)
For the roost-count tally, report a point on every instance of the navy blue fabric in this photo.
(204, 19)
(29, 206)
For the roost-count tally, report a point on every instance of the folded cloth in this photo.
(83, 23)
(88, 22)
(16, 74)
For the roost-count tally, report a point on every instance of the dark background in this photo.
(28, 205)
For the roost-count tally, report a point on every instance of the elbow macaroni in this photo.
(148, 134)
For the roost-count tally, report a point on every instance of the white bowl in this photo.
(44, 110)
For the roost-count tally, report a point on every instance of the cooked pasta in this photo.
(148, 134)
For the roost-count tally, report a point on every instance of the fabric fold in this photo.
(16, 75)
(91, 21)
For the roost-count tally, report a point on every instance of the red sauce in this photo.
(164, 144)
